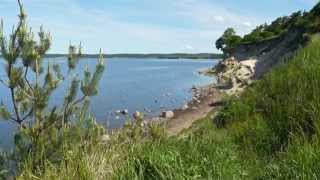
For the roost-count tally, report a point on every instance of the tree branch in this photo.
(15, 105)
(79, 100)
(26, 78)
(16, 51)
(29, 114)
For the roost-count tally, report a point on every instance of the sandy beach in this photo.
(204, 101)
(207, 98)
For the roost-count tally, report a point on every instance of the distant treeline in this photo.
(159, 56)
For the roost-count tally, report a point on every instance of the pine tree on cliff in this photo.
(31, 83)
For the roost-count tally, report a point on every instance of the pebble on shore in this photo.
(185, 107)
(167, 114)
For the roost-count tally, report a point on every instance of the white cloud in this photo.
(67, 20)
(249, 24)
(210, 15)
(189, 47)
(218, 18)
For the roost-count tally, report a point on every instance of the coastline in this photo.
(207, 72)
(207, 100)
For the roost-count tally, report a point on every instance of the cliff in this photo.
(271, 52)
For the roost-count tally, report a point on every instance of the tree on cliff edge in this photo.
(227, 41)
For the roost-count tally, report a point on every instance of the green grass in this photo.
(204, 153)
(134, 153)
(278, 118)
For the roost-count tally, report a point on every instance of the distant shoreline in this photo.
(157, 56)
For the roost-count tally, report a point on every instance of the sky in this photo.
(146, 26)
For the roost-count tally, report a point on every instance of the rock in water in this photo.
(147, 110)
(167, 114)
(136, 115)
(125, 112)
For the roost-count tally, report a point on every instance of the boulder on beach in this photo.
(185, 107)
(167, 114)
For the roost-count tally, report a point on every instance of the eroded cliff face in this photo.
(234, 76)
(271, 52)
(249, 62)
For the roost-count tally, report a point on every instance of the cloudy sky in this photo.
(146, 26)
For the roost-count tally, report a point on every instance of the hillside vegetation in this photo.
(277, 120)
(270, 132)
(307, 22)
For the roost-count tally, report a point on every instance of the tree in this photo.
(228, 40)
(23, 56)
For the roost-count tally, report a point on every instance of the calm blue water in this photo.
(133, 84)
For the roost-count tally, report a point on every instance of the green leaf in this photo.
(4, 113)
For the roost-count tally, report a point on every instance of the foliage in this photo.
(309, 21)
(228, 40)
(267, 135)
(270, 132)
(279, 115)
(136, 152)
(43, 130)
(89, 152)
(278, 27)
(301, 161)
(200, 155)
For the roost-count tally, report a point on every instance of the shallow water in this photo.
(133, 84)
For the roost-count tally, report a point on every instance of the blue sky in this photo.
(146, 26)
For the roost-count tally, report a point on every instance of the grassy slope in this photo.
(277, 119)
(270, 132)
